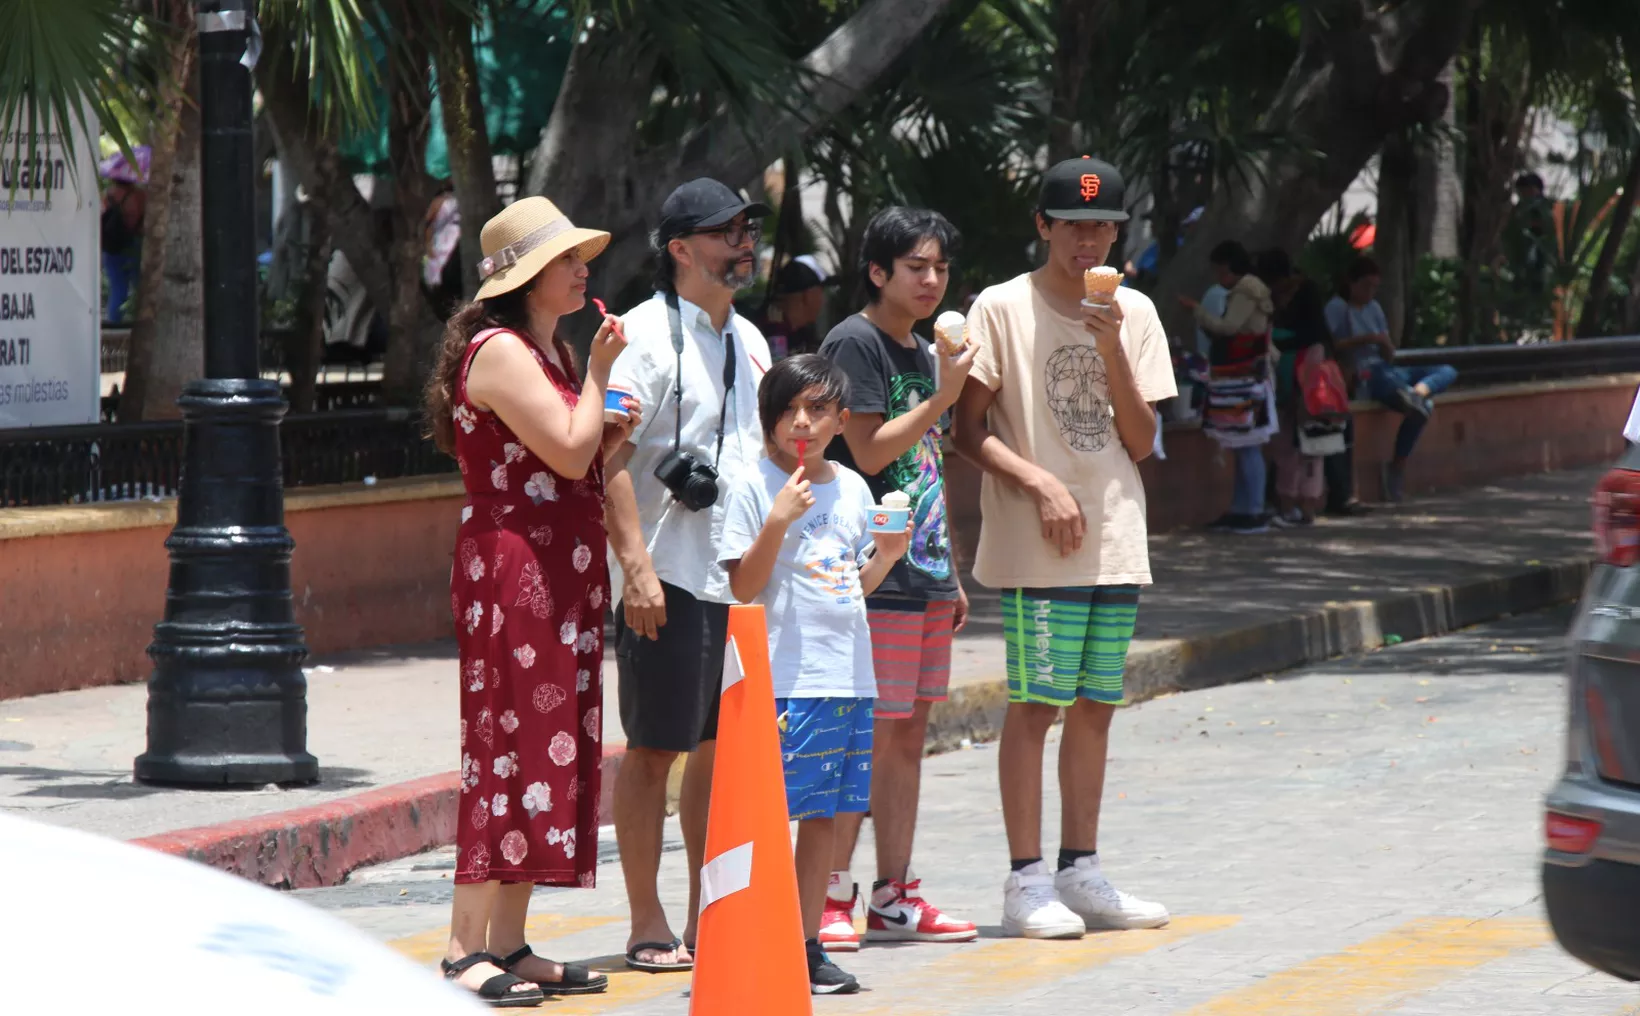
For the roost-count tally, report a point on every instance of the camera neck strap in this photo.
(674, 320)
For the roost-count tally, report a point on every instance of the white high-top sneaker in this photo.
(1032, 909)
(1088, 893)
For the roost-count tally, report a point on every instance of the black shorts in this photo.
(669, 687)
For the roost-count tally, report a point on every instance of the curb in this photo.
(974, 712)
(318, 846)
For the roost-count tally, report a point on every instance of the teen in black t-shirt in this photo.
(898, 401)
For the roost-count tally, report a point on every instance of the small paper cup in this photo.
(614, 404)
(888, 520)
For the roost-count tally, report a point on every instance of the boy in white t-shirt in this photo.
(795, 539)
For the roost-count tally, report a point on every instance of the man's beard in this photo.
(729, 277)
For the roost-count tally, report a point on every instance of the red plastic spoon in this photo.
(802, 449)
(605, 312)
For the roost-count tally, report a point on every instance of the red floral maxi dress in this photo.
(528, 590)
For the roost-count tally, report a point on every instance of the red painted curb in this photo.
(306, 848)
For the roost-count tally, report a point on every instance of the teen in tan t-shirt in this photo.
(1052, 407)
(1057, 411)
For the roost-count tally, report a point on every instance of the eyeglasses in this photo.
(736, 233)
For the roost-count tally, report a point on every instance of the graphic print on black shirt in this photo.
(890, 379)
(1078, 395)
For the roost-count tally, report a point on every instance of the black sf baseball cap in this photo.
(1083, 190)
(704, 204)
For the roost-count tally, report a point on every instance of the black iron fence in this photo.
(128, 461)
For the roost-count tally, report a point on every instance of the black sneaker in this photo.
(1224, 523)
(826, 977)
(1409, 401)
(1249, 525)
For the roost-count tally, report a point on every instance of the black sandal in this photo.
(497, 991)
(658, 968)
(575, 980)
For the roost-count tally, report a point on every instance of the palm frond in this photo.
(61, 74)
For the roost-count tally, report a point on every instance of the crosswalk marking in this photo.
(970, 975)
(1375, 975)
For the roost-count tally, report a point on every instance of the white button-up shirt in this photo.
(683, 543)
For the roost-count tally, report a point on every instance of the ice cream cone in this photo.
(948, 333)
(1099, 285)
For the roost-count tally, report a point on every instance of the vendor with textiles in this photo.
(1240, 413)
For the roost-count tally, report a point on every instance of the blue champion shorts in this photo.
(825, 745)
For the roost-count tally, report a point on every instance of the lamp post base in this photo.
(227, 701)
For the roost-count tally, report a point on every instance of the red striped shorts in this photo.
(911, 653)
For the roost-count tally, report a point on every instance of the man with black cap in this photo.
(698, 364)
(1057, 411)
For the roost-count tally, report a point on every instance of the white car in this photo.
(88, 918)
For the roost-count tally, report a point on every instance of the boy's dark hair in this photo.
(1361, 268)
(895, 232)
(1233, 256)
(793, 376)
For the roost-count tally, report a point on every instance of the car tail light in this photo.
(1570, 835)
(1617, 517)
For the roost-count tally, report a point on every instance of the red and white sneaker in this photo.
(837, 932)
(898, 913)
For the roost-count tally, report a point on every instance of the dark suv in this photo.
(1591, 869)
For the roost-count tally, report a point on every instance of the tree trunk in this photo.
(590, 161)
(177, 351)
(1078, 20)
(305, 354)
(1600, 279)
(1498, 90)
(308, 149)
(468, 136)
(412, 329)
(139, 360)
(1397, 183)
(1362, 72)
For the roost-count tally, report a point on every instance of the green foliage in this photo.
(63, 66)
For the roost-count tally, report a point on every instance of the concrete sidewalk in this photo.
(1224, 608)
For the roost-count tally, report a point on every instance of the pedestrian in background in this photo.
(528, 591)
(1360, 328)
(1299, 334)
(898, 400)
(1241, 406)
(698, 363)
(124, 206)
(1058, 410)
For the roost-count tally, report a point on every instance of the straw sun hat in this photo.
(525, 238)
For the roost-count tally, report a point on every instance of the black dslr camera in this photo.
(691, 481)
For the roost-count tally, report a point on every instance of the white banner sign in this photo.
(50, 284)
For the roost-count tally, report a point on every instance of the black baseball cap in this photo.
(1083, 190)
(800, 274)
(704, 204)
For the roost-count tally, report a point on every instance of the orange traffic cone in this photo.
(749, 956)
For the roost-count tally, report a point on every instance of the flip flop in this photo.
(496, 991)
(657, 968)
(575, 980)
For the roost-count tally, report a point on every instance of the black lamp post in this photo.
(227, 701)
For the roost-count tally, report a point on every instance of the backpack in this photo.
(117, 237)
(1321, 385)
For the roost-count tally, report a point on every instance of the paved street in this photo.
(1359, 837)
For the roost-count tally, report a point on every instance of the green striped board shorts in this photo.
(1068, 642)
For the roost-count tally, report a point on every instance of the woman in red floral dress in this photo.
(528, 591)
